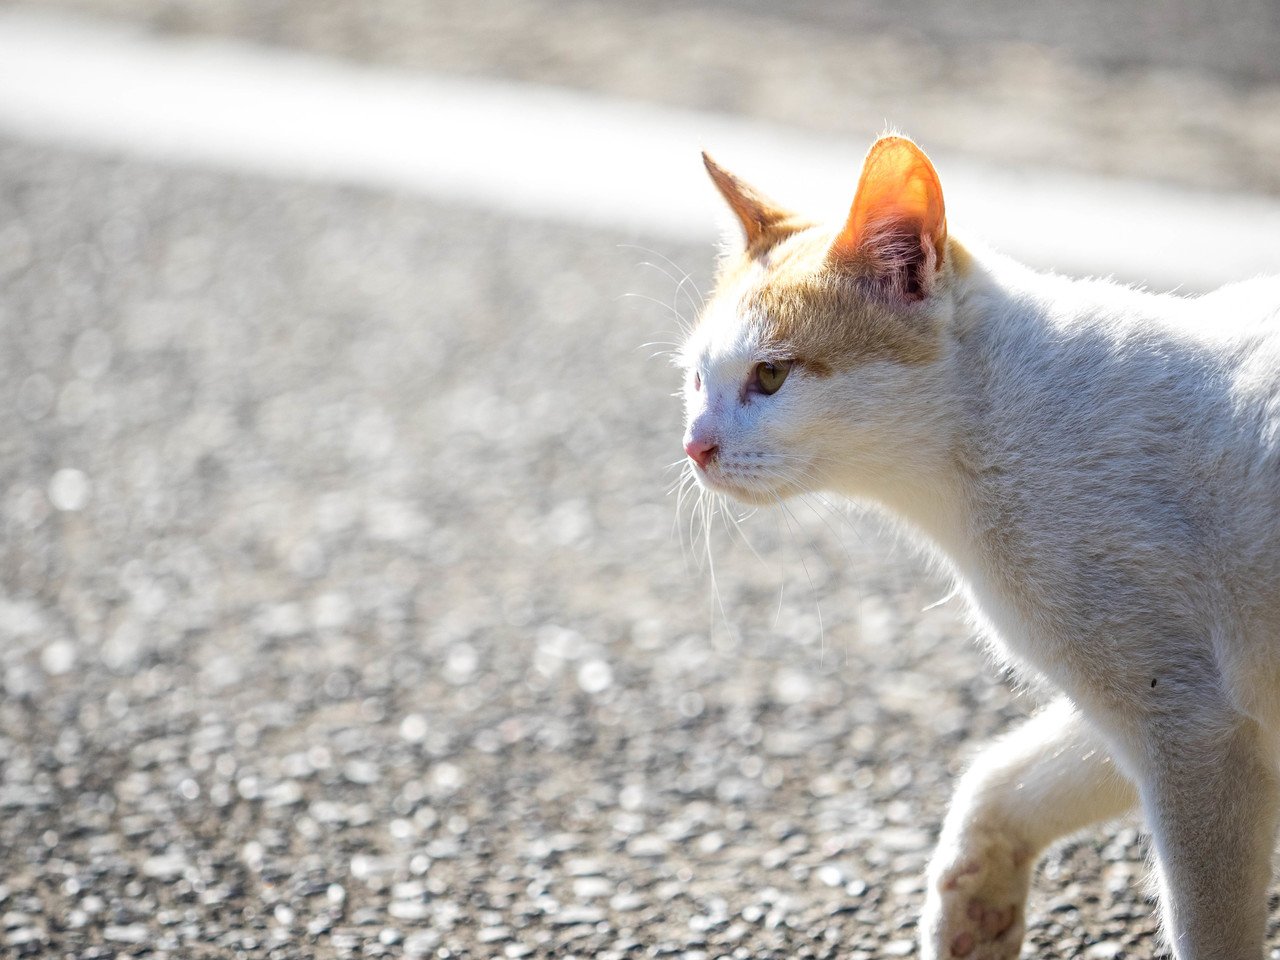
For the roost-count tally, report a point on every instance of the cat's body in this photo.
(1101, 469)
(1114, 460)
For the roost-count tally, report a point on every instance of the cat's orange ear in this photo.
(764, 222)
(897, 227)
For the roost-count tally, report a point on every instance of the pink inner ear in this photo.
(901, 258)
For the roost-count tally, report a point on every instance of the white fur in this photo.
(1101, 469)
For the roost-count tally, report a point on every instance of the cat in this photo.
(1098, 466)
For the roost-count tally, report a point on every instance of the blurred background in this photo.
(345, 609)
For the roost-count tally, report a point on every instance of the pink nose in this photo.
(701, 451)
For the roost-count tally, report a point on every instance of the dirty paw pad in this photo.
(987, 927)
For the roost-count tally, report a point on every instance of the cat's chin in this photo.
(755, 496)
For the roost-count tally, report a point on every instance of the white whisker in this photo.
(951, 595)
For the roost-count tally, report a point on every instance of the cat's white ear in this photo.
(897, 227)
(764, 222)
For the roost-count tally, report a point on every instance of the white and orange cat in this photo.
(1099, 466)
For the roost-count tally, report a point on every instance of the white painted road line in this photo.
(567, 155)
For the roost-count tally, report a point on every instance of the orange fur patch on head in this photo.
(832, 300)
(959, 259)
(826, 320)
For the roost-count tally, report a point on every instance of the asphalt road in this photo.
(345, 611)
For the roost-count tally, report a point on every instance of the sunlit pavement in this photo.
(346, 612)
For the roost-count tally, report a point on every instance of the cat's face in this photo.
(800, 372)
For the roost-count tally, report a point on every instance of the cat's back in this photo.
(1095, 369)
(1241, 323)
(1256, 300)
(1230, 397)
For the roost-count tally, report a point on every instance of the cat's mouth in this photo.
(748, 483)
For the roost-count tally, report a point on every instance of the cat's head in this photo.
(807, 369)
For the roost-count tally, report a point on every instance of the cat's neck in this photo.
(1001, 318)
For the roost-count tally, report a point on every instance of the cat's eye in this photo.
(697, 380)
(770, 374)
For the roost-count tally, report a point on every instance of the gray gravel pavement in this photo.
(343, 615)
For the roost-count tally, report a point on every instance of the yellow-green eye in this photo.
(769, 375)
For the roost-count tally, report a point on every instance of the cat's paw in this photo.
(976, 902)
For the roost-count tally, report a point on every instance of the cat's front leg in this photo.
(1209, 789)
(1049, 778)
